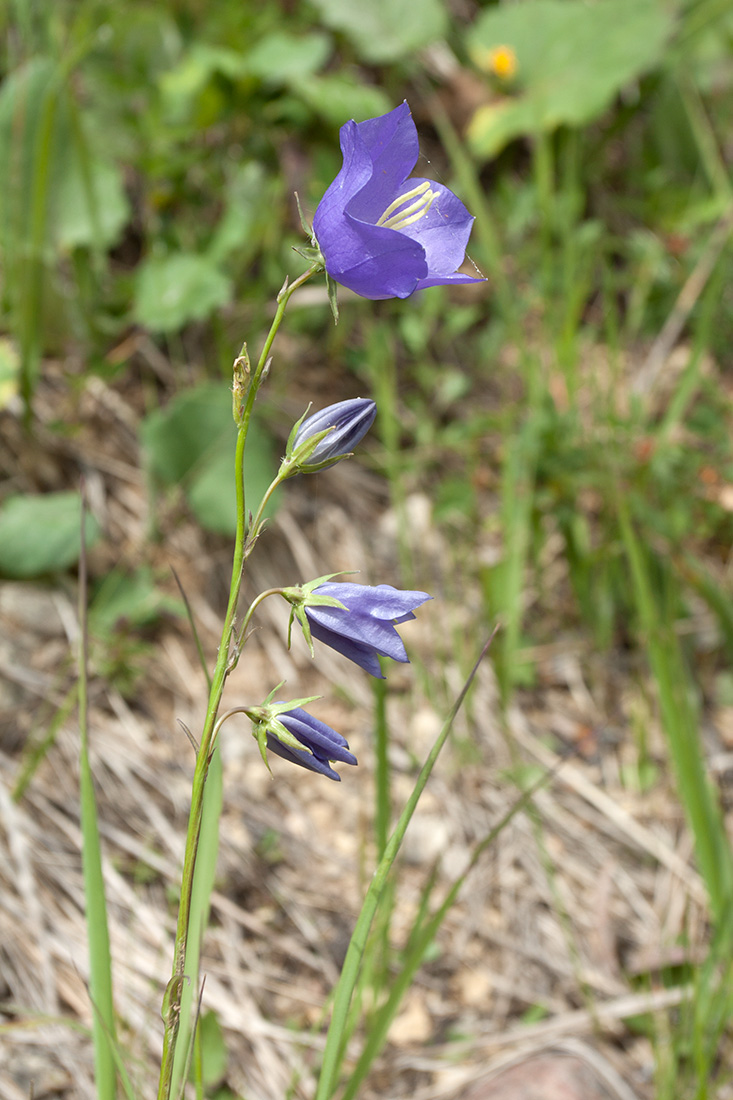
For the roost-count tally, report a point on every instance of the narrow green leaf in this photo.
(203, 884)
(100, 958)
(422, 935)
(683, 734)
(343, 993)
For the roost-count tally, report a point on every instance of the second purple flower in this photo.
(357, 620)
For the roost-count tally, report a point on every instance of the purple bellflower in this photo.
(357, 620)
(291, 733)
(327, 436)
(381, 234)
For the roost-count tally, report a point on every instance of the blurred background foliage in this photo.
(574, 408)
(148, 160)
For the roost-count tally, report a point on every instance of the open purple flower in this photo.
(363, 628)
(381, 234)
(329, 435)
(320, 743)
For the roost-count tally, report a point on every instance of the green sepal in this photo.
(295, 430)
(265, 720)
(298, 611)
(259, 732)
(285, 737)
(296, 462)
(312, 255)
(307, 229)
(332, 290)
(283, 708)
(301, 596)
(301, 592)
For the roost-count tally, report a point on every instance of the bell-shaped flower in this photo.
(325, 437)
(381, 234)
(357, 620)
(295, 735)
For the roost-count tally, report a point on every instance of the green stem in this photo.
(224, 663)
(254, 530)
(383, 805)
(250, 612)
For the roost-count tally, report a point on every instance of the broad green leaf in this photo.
(572, 59)
(385, 30)
(172, 290)
(283, 58)
(336, 97)
(192, 442)
(90, 211)
(249, 199)
(42, 534)
(183, 83)
(130, 598)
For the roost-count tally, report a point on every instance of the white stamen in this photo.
(424, 197)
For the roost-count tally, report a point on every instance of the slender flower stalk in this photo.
(224, 663)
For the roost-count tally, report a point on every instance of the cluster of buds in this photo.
(356, 620)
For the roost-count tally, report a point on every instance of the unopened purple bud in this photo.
(345, 424)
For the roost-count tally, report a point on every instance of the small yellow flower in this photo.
(501, 61)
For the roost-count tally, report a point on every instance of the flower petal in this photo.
(317, 736)
(380, 600)
(365, 630)
(347, 422)
(392, 142)
(393, 145)
(356, 171)
(372, 261)
(448, 280)
(361, 655)
(443, 232)
(302, 758)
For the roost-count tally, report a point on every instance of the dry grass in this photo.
(563, 929)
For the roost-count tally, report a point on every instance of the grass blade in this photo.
(100, 961)
(203, 884)
(678, 718)
(333, 1052)
(420, 941)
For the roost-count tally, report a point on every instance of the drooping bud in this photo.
(290, 732)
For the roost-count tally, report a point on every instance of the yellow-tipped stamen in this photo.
(424, 199)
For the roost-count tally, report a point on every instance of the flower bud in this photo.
(290, 732)
(327, 436)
